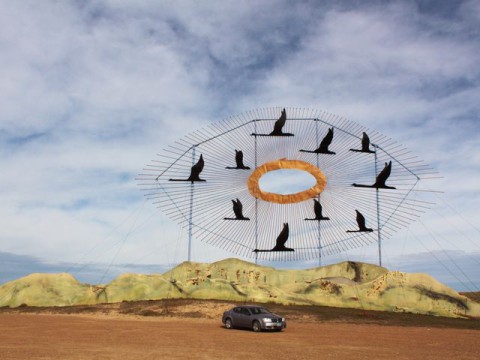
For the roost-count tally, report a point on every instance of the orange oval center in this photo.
(254, 188)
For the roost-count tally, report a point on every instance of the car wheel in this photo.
(228, 323)
(256, 326)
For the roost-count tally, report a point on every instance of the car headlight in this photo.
(267, 320)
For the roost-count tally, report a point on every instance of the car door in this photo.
(237, 316)
(245, 317)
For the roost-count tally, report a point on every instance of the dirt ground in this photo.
(193, 330)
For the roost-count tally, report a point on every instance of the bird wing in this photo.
(384, 174)
(235, 208)
(240, 207)
(365, 142)
(282, 237)
(280, 122)
(360, 220)
(198, 167)
(327, 140)
(238, 157)
(317, 207)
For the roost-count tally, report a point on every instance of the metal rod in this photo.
(319, 225)
(379, 232)
(190, 218)
(256, 200)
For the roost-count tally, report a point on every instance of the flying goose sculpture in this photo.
(239, 161)
(194, 172)
(365, 145)
(361, 224)
(278, 126)
(317, 208)
(238, 211)
(381, 179)
(280, 243)
(323, 148)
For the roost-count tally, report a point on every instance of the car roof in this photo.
(251, 306)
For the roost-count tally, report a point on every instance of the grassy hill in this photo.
(346, 284)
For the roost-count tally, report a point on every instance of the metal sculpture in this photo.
(323, 148)
(239, 161)
(365, 145)
(194, 172)
(277, 127)
(238, 211)
(361, 224)
(342, 173)
(254, 187)
(317, 208)
(381, 179)
(280, 242)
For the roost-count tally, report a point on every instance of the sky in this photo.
(92, 91)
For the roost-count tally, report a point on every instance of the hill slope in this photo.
(347, 284)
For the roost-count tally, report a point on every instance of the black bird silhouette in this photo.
(277, 128)
(238, 210)
(381, 179)
(365, 145)
(361, 224)
(323, 148)
(239, 161)
(317, 208)
(281, 240)
(194, 172)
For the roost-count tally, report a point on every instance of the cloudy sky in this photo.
(91, 91)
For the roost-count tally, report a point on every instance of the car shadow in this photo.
(250, 330)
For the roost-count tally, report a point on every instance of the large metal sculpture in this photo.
(196, 182)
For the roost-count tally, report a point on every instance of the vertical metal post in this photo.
(379, 232)
(256, 200)
(318, 198)
(190, 218)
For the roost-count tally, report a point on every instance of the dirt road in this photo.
(46, 336)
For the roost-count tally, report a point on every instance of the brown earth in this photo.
(189, 329)
(473, 295)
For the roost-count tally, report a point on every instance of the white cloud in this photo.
(91, 91)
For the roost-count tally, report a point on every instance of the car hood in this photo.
(273, 316)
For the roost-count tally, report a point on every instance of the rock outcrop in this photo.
(347, 284)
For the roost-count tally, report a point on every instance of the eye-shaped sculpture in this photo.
(364, 181)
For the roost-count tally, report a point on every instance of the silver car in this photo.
(254, 317)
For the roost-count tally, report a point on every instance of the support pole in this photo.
(256, 200)
(318, 198)
(190, 217)
(379, 232)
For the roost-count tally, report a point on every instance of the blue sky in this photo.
(91, 91)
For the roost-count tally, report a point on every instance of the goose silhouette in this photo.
(361, 224)
(365, 145)
(323, 148)
(239, 161)
(317, 208)
(238, 211)
(194, 172)
(280, 243)
(381, 179)
(278, 126)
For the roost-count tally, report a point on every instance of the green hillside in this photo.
(346, 284)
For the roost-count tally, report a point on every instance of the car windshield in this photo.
(259, 310)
